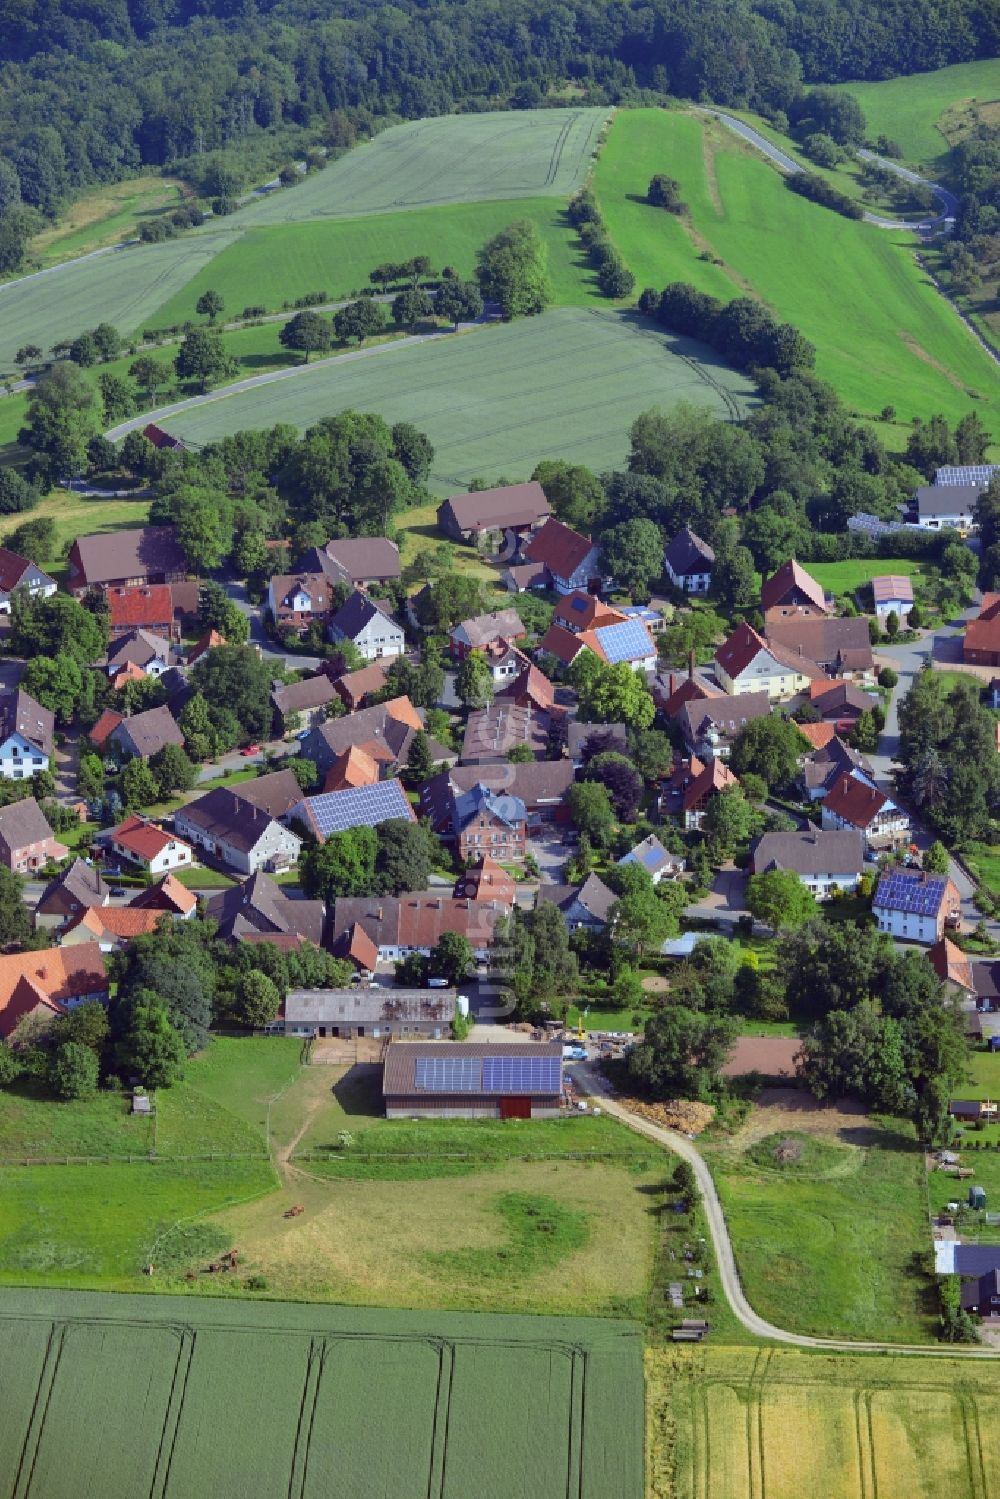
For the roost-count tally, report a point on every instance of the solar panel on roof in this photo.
(448, 1074)
(358, 806)
(627, 641)
(914, 897)
(579, 605)
(966, 473)
(521, 1074)
(651, 856)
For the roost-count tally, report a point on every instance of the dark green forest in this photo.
(93, 91)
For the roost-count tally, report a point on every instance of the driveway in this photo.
(551, 854)
(236, 588)
(725, 901)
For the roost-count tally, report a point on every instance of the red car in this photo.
(251, 749)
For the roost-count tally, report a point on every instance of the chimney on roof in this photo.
(690, 666)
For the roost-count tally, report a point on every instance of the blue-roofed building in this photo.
(472, 1079)
(657, 861)
(916, 906)
(627, 641)
(490, 822)
(354, 807)
(654, 619)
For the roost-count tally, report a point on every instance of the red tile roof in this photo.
(47, 979)
(105, 726)
(951, 964)
(352, 767)
(122, 922)
(739, 649)
(561, 643)
(12, 569)
(791, 577)
(141, 608)
(584, 611)
(486, 880)
(818, 734)
(143, 838)
(558, 547)
(207, 642)
(167, 894)
(855, 802)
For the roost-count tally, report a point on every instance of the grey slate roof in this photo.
(945, 499)
(810, 853)
(226, 816)
(509, 810)
(688, 554)
(259, 905)
(81, 883)
(295, 697)
(355, 613)
(22, 823)
(594, 895)
(21, 714)
(148, 732)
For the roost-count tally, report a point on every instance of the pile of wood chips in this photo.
(679, 1114)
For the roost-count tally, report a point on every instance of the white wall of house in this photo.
(176, 855)
(690, 582)
(380, 637)
(276, 848)
(764, 674)
(824, 885)
(589, 568)
(908, 926)
(891, 825)
(35, 582)
(20, 760)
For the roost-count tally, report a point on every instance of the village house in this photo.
(486, 880)
(654, 619)
(299, 705)
(531, 689)
(657, 861)
(111, 927)
(842, 647)
(26, 735)
(691, 787)
(834, 759)
(585, 907)
(952, 966)
(791, 590)
(623, 639)
(210, 641)
(126, 559)
(503, 627)
(747, 663)
(414, 923)
(361, 561)
(141, 842)
(541, 785)
(892, 593)
(18, 572)
(369, 626)
(353, 807)
(296, 599)
(981, 646)
(240, 826)
(840, 704)
(827, 863)
(672, 689)
(579, 612)
(982, 1295)
(944, 507)
(689, 561)
(353, 767)
(570, 561)
(355, 687)
(259, 910)
(144, 734)
(710, 725)
(512, 510)
(149, 607)
(72, 891)
(853, 802)
(380, 1013)
(487, 821)
(151, 654)
(491, 733)
(49, 983)
(472, 1080)
(916, 906)
(27, 842)
(167, 895)
(385, 732)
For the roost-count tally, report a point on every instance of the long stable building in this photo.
(472, 1080)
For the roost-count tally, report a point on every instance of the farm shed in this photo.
(473, 1080)
(369, 1012)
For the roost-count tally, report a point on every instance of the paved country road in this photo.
(591, 1081)
(786, 163)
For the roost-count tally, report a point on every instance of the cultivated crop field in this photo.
(882, 332)
(567, 384)
(727, 1423)
(140, 1395)
(452, 159)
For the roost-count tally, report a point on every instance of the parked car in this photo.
(574, 1053)
(251, 749)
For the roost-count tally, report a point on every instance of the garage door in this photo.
(515, 1108)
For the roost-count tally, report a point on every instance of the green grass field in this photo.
(983, 860)
(727, 1423)
(846, 577)
(452, 159)
(117, 1396)
(825, 1246)
(909, 109)
(273, 265)
(882, 333)
(496, 401)
(104, 216)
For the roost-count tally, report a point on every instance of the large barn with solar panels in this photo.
(472, 1080)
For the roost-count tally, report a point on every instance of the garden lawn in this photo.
(242, 1073)
(828, 1250)
(909, 110)
(274, 265)
(883, 334)
(497, 400)
(847, 577)
(983, 860)
(451, 159)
